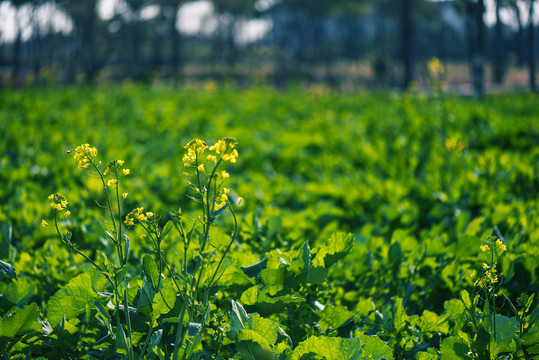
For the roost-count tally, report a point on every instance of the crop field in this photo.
(217, 223)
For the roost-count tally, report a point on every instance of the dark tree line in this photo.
(305, 40)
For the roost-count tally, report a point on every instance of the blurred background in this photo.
(486, 45)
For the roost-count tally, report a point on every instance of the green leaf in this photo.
(5, 241)
(238, 317)
(262, 298)
(253, 346)
(7, 269)
(21, 321)
(255, 269)
(334, 317)
(376, 348)
(430, 322)
(328, 348)
(121, 340)
(506, 329)
(164, 300)
(267, 328)
(336, 248)
(454, 348)
(426, 356)
(20, 291)
(466, 299)
(166, 229)
(399, 315)
(150, 270)
(71, 300)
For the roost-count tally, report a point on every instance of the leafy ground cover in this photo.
(364, 231)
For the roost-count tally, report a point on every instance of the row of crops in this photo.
(344, 226)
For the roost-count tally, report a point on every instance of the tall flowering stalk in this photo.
(489, 281)
(85, 155)
(202, 163)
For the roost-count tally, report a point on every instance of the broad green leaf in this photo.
(238, 317)
(7, 270)
(399, 315)
(426, 356)
(375, 348)
(334, 317)
(150, 270)
(261, 297)
(71, 300)
(430, 322)
(506, 329)
(466, 299)
(336, 248)
(5, 241)
(21, 321)
(253, 346)
(166, 229)
(121, 340)
(164, 300)
(454, 348)
(255, 269)
(329, 348)
(267, 328)
(155, 340)
(20, 291)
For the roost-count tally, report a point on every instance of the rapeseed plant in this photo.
(193, 286)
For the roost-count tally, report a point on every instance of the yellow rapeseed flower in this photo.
(224, 174)
(240, 200)
(501, 245)
(120, 162)
(126, 171)
(486, 266)
(67, 213)
(112, 182)
(124, 195)
(201, 167)
(44, 223)
(212, 158)
(484, 248)
(219, 147)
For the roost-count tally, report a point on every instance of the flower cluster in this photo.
(224, 147)
(435, 66)
(138, 215)
(490, 277)
(82, 155)
(452, 144)
(221, 200)
(194, 148)
(58, 201)
(114, 166)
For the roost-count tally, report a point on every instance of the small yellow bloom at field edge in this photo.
(44, 223)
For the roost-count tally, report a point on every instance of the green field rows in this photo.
(358, 236)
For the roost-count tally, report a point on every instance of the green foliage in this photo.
(360, 230)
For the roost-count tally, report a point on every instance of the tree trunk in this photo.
(520, 35)
(406, 54)
(176, 48)
(498, 59)
(479, 52)
(531, 46)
